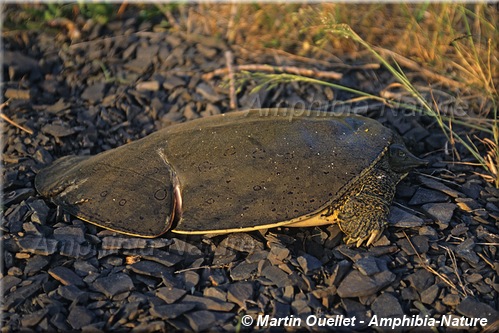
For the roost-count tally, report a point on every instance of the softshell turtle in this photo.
(239, 171)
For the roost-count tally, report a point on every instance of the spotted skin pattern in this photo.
(363, 212)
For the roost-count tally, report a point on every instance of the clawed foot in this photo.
(371, 238)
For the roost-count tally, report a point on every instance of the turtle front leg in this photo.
(363, 217)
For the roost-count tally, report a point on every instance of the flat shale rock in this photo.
(466, 252)
(149, 268)
(240, 292)
(19, 64)
(386, 305)
(69, 234)
(471, 308)
(35, 264)
(355, 284)
(276, 275)
(170, 295)
(205, 303)
(402, 219)
(114, 284)
(423, 196)
(201, 320)
(38, 245)
(421, 280)
(66, 276)
(79, 317)
(94, 93)
(309, 263)
(441, 212)
(24, 292)
(58, 131)
(208, 93)
(244, 270)
(129, 243)
(9, 281)
(171, 311)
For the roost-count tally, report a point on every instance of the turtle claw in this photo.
(371, 239)
(374, 237)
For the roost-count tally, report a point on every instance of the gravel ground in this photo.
(438, 259)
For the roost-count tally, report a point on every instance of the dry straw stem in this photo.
(464, 290)
(273, 69)
(13, 123)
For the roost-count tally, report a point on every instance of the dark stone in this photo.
(367, 266)
(419, 245)
(70, 234)
(241, 242)
(35, 264)
(472, 189)
(278, 254)
(451, 299)
(170, 295)
(386, 305)
(38, 245)
(17, 195)
(149, 268)
(244, 271)
(186, 250)
(76, 250)
(19, 64)
(215, 292)
(39, 210)
(72, 293)
(468, 204)
(9, 281)
(309, 263)
(201, 320)
(79, 317)
(162, 257)
(355, 284)
(357, 310)
(421, 280)
(208, 93)
(190, 279)
(114, 284)
(58, 131)
(205, 303)
(436, 185)
(409, 294)
(23, 293)
(429, 295)
(170, 311)
(34, 318)
(423, 196)
(173, 82)
(429, 232)
(94, 93)
(276, 275)
(466, 252)
(441, 212)
(240, 292)
(402, 219)
(472, 308)
(66, 276)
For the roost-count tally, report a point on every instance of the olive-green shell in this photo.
(237, 170)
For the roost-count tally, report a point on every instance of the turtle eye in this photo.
(401, 153)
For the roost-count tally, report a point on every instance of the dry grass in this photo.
(447, 53)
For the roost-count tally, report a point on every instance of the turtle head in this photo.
(401, 160)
